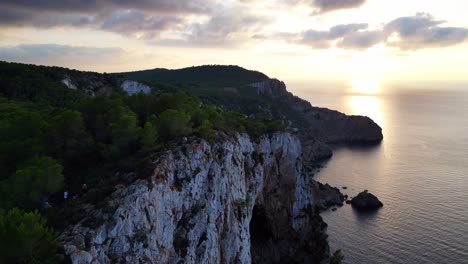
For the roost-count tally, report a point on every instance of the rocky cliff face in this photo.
(237, 201)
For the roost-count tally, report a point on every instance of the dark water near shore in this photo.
(419, 172)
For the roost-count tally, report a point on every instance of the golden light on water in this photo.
(365, 86)
(367, 105)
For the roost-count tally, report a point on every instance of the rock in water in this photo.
(329, 196)
(366, 201)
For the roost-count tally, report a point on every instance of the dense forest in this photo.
(60, 147)
(211, 75)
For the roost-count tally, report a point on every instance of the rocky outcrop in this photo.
(366, 201)
(132, 87)
(329, 196)
(91, 83)
(230, 202)
(69, 83)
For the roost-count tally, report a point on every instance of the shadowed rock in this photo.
(366, 201)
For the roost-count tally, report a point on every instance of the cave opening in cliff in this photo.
(260, 230)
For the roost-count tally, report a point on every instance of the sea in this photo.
(419, 172)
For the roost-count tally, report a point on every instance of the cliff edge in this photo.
(237, 201)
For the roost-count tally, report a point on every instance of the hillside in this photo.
(208, 75)
(69, 138)
(72, 142)
(254, 94)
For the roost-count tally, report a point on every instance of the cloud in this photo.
(140, 18)
(406, 33)
(93, 6)
(361, 40)
(195, 22)
(230, 27)
(53, 54)
(325, 39)
(324, 6)
(342, 30)
(18, 18)
(422, 31)
(137, 24)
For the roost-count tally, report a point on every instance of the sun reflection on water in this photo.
(367, 105)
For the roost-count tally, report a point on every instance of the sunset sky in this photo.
(340, 40)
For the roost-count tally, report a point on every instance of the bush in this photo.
(24, 238)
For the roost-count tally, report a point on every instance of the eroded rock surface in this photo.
(231, 202)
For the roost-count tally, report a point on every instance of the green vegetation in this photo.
(33, 182)
(35, 83)
(55, 139)
(227, 87)
(209, 75)
(24, 238)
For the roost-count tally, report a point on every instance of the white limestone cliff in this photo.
(236, 201)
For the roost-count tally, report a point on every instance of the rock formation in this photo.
(326, 125)
(132, 87)
(366, 201)
(230, 202)
(329, 196)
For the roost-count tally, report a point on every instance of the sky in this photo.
(358, 41)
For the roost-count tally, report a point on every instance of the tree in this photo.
(34, 181)
(21, 134)
(148, 136)
(144, 105)
(67, 137)
(112, 123)
(24, 238)
(172, 123)
(124, 131)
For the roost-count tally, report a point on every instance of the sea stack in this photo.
(366, 201)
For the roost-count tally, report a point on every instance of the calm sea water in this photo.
(419, 172)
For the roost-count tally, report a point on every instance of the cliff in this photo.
(236, 201)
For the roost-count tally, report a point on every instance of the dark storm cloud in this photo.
(332, 5)
(415, 32)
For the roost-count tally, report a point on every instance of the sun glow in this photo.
(367, 105)
(365, 86)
